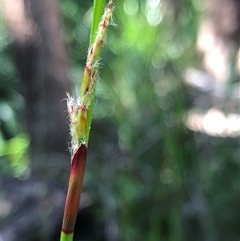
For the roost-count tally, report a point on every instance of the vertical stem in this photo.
(80, 114)
(74, 191)
(98, 7)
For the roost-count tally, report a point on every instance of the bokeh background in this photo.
(163, 161)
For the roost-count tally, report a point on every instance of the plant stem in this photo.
(98, 7)
(80, 114)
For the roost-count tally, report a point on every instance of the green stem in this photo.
(80, 113)
(98, 8)
(66, 237)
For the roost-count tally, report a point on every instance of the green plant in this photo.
(80, 113)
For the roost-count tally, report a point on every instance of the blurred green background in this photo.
(163, 161)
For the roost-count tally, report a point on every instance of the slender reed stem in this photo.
(80, 114)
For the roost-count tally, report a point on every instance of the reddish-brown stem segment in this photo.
(74, 189)
(80, 113)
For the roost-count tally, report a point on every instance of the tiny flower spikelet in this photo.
(79, 109)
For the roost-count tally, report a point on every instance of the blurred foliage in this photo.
(155, 179)
(13, 142)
